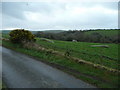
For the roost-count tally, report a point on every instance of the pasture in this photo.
(83, 50)
(104, 32)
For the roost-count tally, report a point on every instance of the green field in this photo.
(83, 50)
(104, 32)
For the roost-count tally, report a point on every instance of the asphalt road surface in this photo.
(21, 71)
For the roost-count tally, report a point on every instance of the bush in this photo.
(21, 35)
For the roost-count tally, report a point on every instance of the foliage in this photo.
(21, 35)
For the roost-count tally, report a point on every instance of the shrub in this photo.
(21, 35)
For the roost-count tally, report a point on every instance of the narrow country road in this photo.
(21, 71)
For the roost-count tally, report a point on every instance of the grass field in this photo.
(104, 32)
(83, 50)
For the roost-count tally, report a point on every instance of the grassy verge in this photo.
(95, 76)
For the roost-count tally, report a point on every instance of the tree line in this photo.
(82, 36)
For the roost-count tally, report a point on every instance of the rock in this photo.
(105, 46)
(74, 40)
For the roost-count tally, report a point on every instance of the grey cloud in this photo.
(16, 9)
(13, 15)
(13, 9)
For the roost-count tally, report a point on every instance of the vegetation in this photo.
(99, 55)
(96, 36)
(53, 31)
(34, 32)
(21, 35)
(83, 50)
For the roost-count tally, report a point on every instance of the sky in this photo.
(59, 15)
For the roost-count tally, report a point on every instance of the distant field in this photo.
(104, 32)
(83, 50)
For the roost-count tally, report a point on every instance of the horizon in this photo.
(63, 29)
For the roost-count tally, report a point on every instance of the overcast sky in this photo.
(59, 15)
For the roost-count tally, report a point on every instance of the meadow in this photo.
(83, 50)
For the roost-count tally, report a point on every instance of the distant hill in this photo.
(98, 36)
(103, 32)
(34, 32)
(7, 31)
(48, 31)
(53, 31)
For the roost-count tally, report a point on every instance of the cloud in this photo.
(13, 9)
(54, 15)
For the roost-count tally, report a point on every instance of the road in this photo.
(21, 71)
